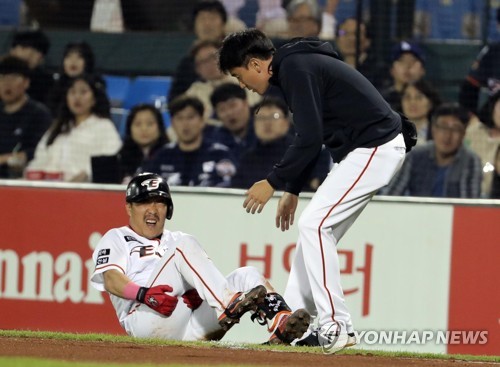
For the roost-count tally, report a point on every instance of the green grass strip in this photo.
(224, 344)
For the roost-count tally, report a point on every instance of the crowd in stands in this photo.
(58, 126)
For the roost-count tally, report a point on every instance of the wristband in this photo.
(141, 294)
(131, 290)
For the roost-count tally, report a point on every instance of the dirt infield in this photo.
(155, 354)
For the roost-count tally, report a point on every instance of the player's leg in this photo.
(143, 322)
(185, 266)
(332, 210)
(298, 293)
(199, 272)
(283, 324)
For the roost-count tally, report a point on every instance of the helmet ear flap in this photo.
(170, 209)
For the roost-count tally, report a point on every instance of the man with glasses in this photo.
(272, 129)
(443, 167)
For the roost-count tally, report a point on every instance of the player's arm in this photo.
(257, 196)
(155, 297)
(285, 213)
(304, 97)
(115, 283)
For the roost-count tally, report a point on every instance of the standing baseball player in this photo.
(334, 105)
(146, 269)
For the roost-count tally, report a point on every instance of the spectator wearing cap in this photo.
(209, 21)
(32, 47)
(408, 66)
(22, 119)
(443, 167)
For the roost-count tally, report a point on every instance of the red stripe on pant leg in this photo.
(201, 279)
(163, 267)
(321, 225)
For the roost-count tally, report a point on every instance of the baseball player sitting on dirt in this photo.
(146, 269)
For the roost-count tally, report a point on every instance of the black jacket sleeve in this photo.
(302, 92)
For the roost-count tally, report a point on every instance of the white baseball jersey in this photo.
(177, 260)
(135, 256)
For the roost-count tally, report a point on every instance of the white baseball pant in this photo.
(314, 281)
(183, 267)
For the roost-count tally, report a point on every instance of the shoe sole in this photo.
(296, 325)
(351, 341)
(248, 303)
(332, 349)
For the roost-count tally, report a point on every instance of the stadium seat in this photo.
(166, 119)
(148, 89)
(119, 118)
(117, 88)
(10, 13)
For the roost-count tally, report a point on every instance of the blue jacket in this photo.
(210, 165)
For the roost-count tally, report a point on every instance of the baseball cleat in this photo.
(240, 304)
(288, 326)
(329, 341)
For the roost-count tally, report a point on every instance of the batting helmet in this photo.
(146, 185)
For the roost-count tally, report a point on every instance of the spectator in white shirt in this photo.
(83, 129)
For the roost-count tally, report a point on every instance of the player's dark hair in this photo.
(65, 118)
(213, 6)
(272, 101)
(14, 65)
(35, 39)
(227, 91)
(238, 48)
(85, 51)
(181, 102)
(452, 109)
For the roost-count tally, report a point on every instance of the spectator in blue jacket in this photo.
(193, 160)
(232, 108)
(272, 128)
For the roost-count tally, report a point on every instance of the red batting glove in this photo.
(192, 299)
(156, 299)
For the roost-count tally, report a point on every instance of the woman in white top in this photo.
(484, 139)
(82, 129)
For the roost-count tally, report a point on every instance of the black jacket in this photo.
(332, 104)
